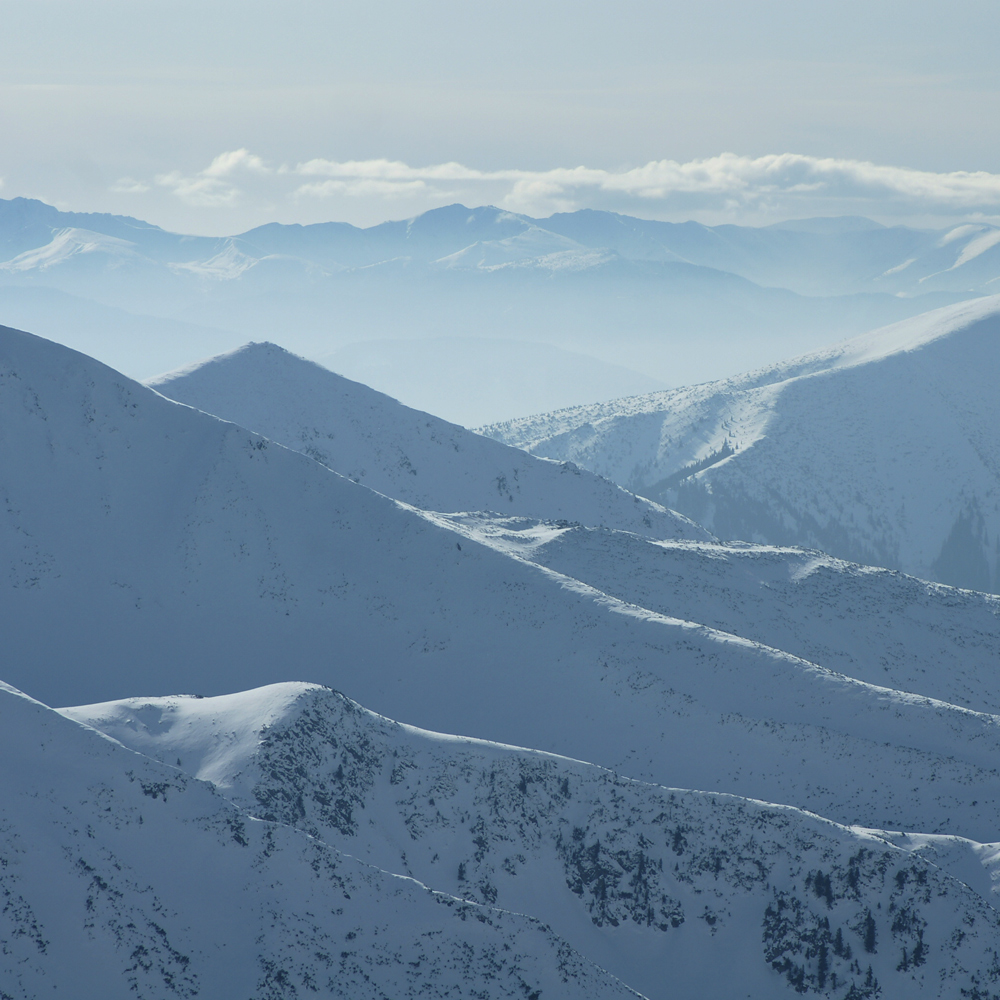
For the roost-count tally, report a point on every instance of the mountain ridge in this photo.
(651, 881)
(680, 302)
(124, 877)
(199, 556)
(832, 475)
(408, 455)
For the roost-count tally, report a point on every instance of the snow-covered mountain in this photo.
(834, 256)
(676, 303)
(179, 552)
(401, 452)
(677, 893)
(882, 450)
(904, 633)
(122, 877)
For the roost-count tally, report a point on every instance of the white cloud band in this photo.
(770, 184)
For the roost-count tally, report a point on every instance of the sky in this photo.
(216, 116)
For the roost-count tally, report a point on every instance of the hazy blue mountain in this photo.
(675, 303)
(479, 380)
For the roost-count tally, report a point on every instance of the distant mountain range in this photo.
(638, 300)
(882, 449)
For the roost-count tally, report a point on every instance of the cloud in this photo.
(780, 184)
(129, 185)
(725, 181)
(213, 187)
(226, 164)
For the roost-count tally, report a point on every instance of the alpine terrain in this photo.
(881, 450)
(631, 760)
(480, 314)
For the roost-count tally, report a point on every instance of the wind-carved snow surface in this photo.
(401, 452)
(678, 893)
(881, 450)
(122, 877)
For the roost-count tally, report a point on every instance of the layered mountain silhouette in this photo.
(577, 659)
(616, 301)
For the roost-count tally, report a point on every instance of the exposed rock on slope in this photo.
(121, 877)
(179, 552)
(679, 893)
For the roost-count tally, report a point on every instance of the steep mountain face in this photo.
(905, 633)
(678, 893)
(882, 450)
(180, 552)
(122, 877)
(148, 545)
(195, 555)
(401, 452)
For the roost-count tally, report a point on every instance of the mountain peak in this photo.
(402, 452)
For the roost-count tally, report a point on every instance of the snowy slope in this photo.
(903, 632)
(122, 877)
(70, 243)
(678, 893)
(176, 552)
(882, 450)
(401, 452)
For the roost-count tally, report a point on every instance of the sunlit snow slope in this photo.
(904, 633)
(150, 547)
(124, 878)
(404, 453)
(679, 893)
(872, 624)
(883, 449)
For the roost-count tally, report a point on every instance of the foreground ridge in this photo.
(677, 892)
